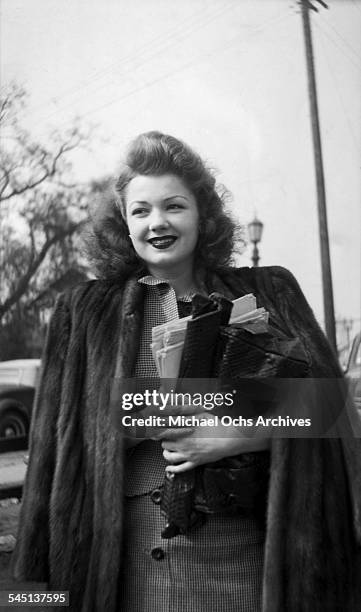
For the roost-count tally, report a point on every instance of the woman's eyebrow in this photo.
(164, 200)
(175, 196)
(138, 202)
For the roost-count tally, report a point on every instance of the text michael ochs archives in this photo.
(136, 402)
(213, 421)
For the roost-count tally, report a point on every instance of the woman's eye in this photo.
(139, 211)
(175, 206)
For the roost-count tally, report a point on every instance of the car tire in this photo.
(13, 423)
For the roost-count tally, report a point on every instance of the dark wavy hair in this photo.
(109, 247)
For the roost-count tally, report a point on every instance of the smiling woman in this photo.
(91, 520)
(167, 167)
(163, 218)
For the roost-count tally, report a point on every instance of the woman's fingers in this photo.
(170, 445)
(173, 456)
(182, 467)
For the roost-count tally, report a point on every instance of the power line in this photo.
(329, 25)
(192, 63)
(181, 36)
(130, 57)
(338, 90)
(332, 39)
(185, 34)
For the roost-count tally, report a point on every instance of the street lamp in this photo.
(255, 229)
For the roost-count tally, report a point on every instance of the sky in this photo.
(229, 78)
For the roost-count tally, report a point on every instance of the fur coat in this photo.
(70, 531)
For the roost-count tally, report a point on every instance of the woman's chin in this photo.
(168, 263)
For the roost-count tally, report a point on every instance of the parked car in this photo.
(18, 381)
(353, 370)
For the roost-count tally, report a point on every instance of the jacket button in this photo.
(157, 554)
(156, 496)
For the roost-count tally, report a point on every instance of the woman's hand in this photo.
(196, 447)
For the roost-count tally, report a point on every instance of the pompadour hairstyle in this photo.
(109, 247)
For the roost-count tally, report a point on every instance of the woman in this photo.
(90, 520)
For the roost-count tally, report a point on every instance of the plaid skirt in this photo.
(216, 568)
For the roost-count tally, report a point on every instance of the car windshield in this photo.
(10, 376)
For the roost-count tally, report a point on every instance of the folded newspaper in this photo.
(168, 338)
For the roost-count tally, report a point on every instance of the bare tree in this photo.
(26, 164)
(42, 211)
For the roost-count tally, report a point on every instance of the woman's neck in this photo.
(182, 281)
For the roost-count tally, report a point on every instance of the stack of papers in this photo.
(168, 338)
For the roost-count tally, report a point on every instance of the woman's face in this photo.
(162, 217)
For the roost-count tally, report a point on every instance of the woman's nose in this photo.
(158, 220)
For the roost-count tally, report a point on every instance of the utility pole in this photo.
(328, 305)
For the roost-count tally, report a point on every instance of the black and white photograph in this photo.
(180, 305)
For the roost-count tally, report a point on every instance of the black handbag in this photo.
(232, 485)
(243, 354)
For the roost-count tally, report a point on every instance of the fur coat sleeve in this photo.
(34, 533)
(299, 320)
(70, 528)
(321, 531)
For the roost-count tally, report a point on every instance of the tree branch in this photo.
(33, 267)
(49, 172)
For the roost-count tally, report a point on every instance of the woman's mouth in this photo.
(162, 242)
